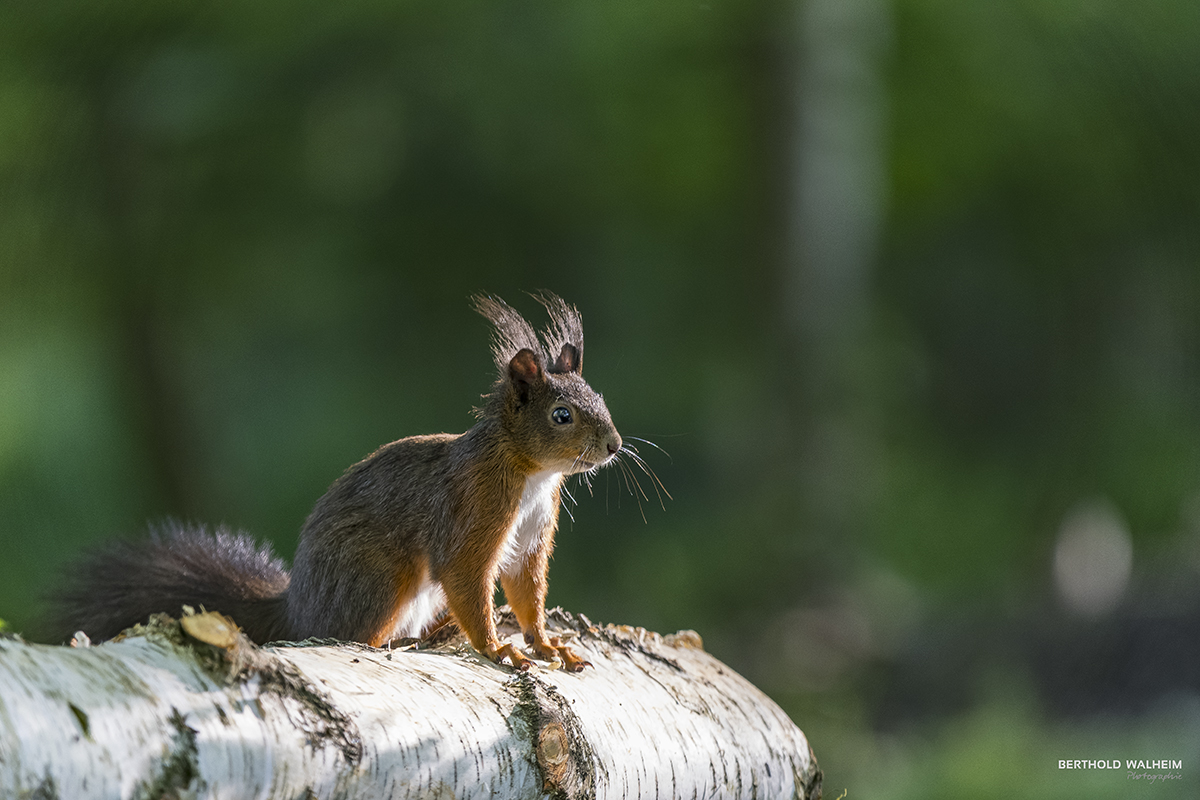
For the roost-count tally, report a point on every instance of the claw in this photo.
(552, 649)
(498, 652)
(578, 665)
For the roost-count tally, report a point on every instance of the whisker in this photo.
(625, 459)
(649, 471)
(632, 477)
(652, 444)
(655, 481)
(587, 481)
(625, 473)
(640, 493)
(628, 472)
(585, 477)
(607, 480)
(638, 484)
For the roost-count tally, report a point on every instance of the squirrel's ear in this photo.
(524, 370)
(568, 360)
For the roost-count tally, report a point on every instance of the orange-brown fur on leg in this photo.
(525, 588)
(408, 578)
(487, 504)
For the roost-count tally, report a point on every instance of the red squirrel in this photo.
(422, 524)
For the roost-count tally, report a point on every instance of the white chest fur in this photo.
(534, 512)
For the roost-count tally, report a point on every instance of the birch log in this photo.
(161, 714)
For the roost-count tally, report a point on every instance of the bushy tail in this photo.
(123, 583)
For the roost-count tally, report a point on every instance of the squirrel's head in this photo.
(549, 413)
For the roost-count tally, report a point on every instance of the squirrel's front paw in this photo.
(497, 652)
(552, 649)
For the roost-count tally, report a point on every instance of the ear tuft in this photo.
(511, 332)
(566, 327)
(568, 360)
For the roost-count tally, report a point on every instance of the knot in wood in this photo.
(210, 627)
(553, 754)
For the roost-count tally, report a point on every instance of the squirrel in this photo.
(423, 525)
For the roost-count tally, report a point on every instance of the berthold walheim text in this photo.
(1115, 763)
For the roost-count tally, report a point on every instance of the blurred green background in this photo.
(908, 291)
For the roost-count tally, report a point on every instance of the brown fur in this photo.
(417, 514)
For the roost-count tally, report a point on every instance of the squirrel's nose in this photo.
(612, 449)
(613, 444)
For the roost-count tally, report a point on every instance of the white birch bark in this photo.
(161, 714)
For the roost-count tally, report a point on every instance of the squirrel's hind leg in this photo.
(416, 600)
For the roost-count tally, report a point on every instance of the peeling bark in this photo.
(160, 713)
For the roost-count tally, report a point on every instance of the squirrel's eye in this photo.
(561, 415)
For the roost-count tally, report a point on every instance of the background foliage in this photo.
(908, 290)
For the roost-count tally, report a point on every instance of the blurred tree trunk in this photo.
(834, 208)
